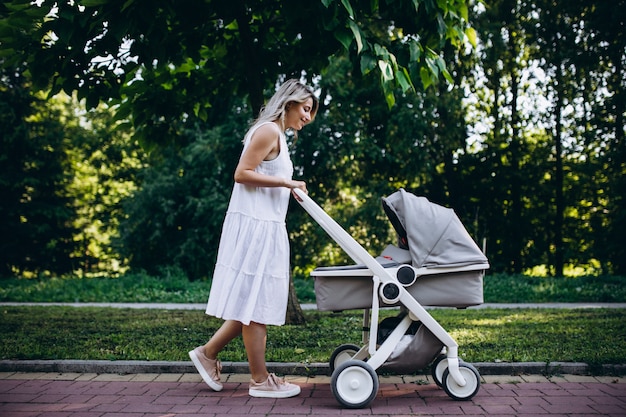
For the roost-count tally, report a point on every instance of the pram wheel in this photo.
(342, 354)
(354, 384)
(472, 382)
(438, 368)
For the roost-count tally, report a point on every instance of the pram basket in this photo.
(436, 263)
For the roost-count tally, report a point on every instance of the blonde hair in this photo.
(291, 91)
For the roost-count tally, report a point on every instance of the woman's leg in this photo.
(229, 330)
(204, 357)
(255, 339)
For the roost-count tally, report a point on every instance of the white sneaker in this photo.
(209, 369)
(273, 387)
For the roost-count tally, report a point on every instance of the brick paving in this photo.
(185, 395)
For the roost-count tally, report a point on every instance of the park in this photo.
(122, 127)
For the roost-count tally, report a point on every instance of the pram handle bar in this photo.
(360, 255)
(334, 230)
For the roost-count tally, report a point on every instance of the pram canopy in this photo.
(434, 234)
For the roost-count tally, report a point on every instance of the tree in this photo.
(171, 61)
(36, 229)
(606, 36)
(104, 166)
(505, 148)
(552, 150)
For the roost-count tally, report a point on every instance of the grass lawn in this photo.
(141, 288)
(595, 336)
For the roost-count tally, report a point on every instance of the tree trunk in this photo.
(558, 186)
(515, 217)
(618, 161)
(294, 311)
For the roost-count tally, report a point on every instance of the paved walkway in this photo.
(185, 395)
(166, 393)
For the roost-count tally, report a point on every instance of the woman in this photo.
(251, 279)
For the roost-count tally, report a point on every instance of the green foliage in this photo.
(36, 229)
(527, 144)
(165, 62)
(502, 288)
(171, 285)
(175, 218)
(553, 145)
(595, 336)
(65, 174)
(105, 163)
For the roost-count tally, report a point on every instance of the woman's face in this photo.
(298, 115)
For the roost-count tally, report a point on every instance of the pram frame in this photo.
(381, 276)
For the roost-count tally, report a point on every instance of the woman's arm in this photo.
(264, 145)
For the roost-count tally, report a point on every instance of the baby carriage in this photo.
(436, 263)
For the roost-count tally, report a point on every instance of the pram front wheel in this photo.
(342, 354)
(354, 384)
(472, 382)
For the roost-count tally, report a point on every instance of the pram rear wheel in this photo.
(342, 354)
(472, 382)
(354, 384)
(438, 368)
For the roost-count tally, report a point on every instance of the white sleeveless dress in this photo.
(251, 277)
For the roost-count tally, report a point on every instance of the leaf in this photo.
(344, 37)
(123, 112)
(471, 36)
(463, 11)
(381, 51)
(426, 77)
(7, 52)
(368, 63)
(348, 7)
(447, 76)
(442, 28)
(443, 5)
(389, 96)
(57, 86)
(357, 35)
(431, 64)
(386, 72)
(404, 79)
(17, 7)
(415, 51)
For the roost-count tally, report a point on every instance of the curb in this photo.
(290, 368)
(303, 306)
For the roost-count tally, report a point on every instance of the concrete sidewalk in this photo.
(185, 395)
(121, 367)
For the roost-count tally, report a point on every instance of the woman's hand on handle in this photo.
(301, 185)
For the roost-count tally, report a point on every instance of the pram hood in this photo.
(434, 234)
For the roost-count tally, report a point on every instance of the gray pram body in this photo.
(431, 238)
